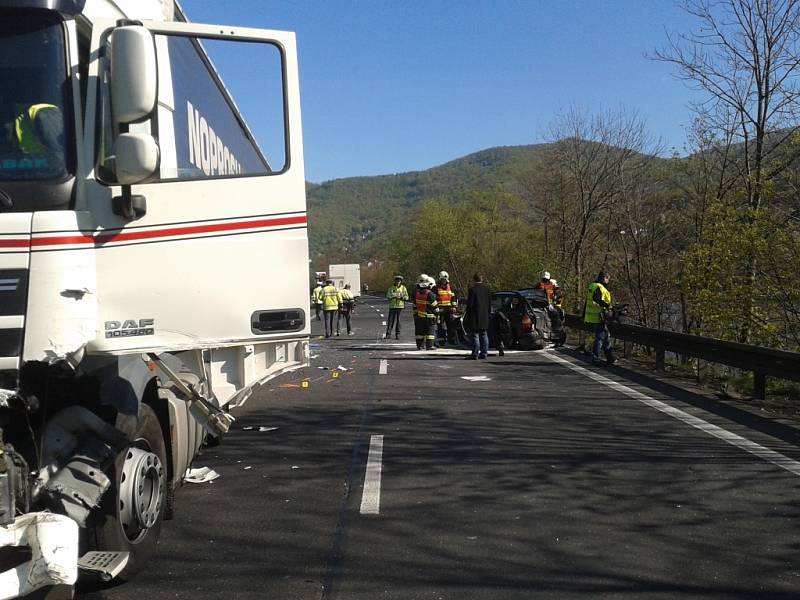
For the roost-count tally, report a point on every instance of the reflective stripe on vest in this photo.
(330, 297)
(394, 291)
(421, 301)
(444, 296)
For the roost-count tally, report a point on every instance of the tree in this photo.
(484, 232)
(591, 157)
(746, 57)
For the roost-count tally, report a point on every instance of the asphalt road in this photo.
(546, 479)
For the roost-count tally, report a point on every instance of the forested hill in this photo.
(348, 217)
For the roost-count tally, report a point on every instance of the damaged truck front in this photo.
(152, 267)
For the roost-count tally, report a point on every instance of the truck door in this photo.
(193, 255)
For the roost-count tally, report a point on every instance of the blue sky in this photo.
(389, 87)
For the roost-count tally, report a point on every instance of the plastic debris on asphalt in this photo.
(200, 475)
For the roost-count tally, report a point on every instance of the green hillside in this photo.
(348, 218)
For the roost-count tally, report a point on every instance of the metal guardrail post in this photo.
(659, 359)
(759, 385)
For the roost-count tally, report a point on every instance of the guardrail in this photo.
(763, 362)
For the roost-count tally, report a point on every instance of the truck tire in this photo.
(133, 507)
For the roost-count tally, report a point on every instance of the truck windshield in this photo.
(33, 106)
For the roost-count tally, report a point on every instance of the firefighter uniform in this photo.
(424, 317)
(445, 297)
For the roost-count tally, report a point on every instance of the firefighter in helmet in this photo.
(547, 285)
(425, 313)
(445, 330)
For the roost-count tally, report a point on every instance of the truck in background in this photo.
(341, 275)
(152, 269)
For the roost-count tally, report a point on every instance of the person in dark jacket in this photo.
(479, 306)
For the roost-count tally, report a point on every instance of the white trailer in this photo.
(153, 267)
(341, 275)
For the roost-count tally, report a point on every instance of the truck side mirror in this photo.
(135, 157)
(134, 74)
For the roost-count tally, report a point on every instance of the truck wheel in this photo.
(133, 508)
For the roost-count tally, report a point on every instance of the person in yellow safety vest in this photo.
(397, 296)
(598, 300)
(346, 304)
(38, 131)
(330, 305)
(316, 298)
(446, 298)
(425, 313)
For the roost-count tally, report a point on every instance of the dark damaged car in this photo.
(532, 323)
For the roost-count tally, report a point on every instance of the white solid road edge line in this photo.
(371, 496)
(384, 368)
(776, 458)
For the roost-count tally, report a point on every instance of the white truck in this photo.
(153, 267)
(341, 275)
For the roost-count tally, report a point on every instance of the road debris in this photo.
(476, 378)
(200, 475)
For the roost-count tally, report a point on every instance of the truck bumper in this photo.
(53, 541)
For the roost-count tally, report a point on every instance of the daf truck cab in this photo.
(153, 265)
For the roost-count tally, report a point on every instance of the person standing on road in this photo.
(425, 313)
(398, 296)
(330, 305)
(346, 304)
(479, 307)
(445, 330)
(316, 298)
(598, 300)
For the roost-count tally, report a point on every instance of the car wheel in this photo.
(133, 507)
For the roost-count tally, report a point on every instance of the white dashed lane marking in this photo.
(371, 496)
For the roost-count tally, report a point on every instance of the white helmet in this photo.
(546, 275)
(554, 282)
(443, 275)
(431, 282)
(422, 280)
